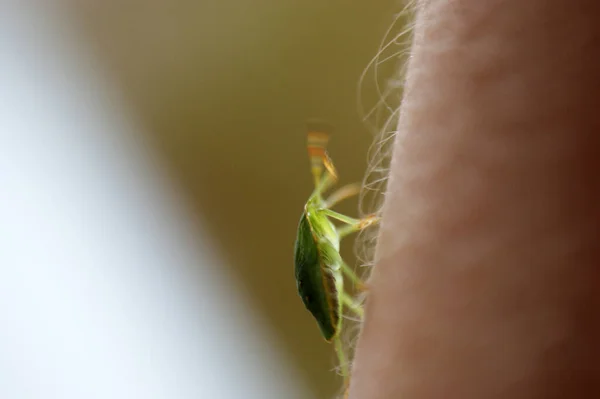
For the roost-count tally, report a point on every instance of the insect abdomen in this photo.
(316, 284)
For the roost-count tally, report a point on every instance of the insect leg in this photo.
(356, 226)
(340, 217)
(352, 276)
(347, 191)
(353, 224)
(347, 391)
(339, 349)
(352, 305)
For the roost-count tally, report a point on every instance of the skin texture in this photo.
(486, 283)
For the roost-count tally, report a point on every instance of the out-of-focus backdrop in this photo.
(224, 88)
(219, 91)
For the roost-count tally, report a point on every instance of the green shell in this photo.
(315, 282)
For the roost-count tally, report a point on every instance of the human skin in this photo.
(486, 282)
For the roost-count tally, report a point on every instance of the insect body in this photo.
(319, 268)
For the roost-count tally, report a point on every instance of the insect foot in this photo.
(368, 221)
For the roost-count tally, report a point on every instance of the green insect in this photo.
(319, 268)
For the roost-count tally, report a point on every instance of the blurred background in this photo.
(153, 173)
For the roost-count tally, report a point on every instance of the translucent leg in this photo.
(357, 225)
(340, 217)
(352, 276)
(347, 191)
(339, 349)
(352, 305)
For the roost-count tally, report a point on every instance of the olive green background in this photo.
(224, 88)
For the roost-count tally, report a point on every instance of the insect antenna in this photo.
(318, 133)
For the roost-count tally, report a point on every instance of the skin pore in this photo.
(486, 283)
